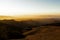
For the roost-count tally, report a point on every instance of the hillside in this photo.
(36, 29)
(46, 33)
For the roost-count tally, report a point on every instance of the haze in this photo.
(29, 7)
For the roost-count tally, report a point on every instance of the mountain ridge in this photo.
(25, 17)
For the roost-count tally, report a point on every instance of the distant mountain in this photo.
(6, 17)
(28, 17)
(34, 17)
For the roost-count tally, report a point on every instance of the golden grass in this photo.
(46, 33)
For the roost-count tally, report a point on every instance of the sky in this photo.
(29, 7)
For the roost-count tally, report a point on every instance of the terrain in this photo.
(27, 28)
(46, 33)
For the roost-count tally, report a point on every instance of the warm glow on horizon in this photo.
(29, 7)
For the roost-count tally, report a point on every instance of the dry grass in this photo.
(46, 33)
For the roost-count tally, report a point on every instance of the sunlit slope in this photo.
(46, 33)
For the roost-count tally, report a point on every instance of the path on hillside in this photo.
(31, 32)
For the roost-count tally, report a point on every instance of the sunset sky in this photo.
(29, 7)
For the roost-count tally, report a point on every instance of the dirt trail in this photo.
(31, 32)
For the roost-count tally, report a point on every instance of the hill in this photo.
(45, 33)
